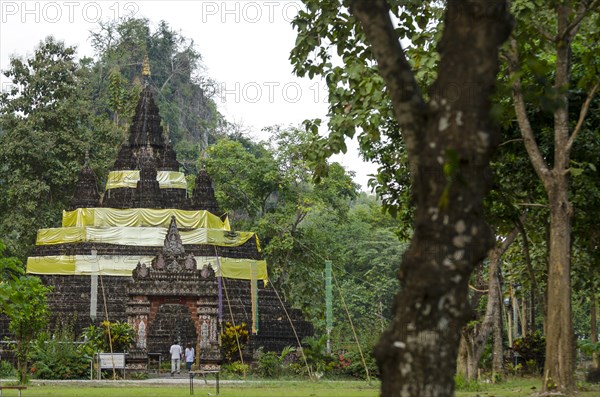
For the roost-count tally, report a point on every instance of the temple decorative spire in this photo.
(86, 191)
(146, 70)
(147, 191)
(203, 197)
(173, 246)
(146, 130)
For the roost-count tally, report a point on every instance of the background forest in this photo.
(60, 107)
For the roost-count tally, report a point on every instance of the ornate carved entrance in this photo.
(171, 300)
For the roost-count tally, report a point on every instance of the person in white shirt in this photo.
(189, 356)
(176, 353)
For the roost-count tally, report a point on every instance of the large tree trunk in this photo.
(498, 348)
(449, 141)
(462, 359)
(560, 347)
(594, 329)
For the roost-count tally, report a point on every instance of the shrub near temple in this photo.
(98, 340)
(57, 356)
(531, 349)
(233, 338)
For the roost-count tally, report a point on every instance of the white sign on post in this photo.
(109, 361)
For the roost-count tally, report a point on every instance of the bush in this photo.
(137, 375)
(315, 351)
(235, 368)
(59, 357)
(593, 375)
(268, 365)
(7, 370)
(273, 365)
(532, 351)
(351, 364)
(96, 337)
(233, 339)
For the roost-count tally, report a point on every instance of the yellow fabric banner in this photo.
(129, 178)
(147, 236)
(123, 265)
(129, 217)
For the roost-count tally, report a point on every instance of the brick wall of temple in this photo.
(70, 303)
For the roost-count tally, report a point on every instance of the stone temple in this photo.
(166, 261)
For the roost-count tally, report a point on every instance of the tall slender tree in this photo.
(560, 27)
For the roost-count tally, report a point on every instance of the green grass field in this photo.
(513, 388)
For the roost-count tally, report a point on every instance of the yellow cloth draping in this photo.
(123, 265)
(147, 236)
(129, 178)
(241, 268)
(103, 217)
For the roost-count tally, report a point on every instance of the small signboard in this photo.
(110, 361)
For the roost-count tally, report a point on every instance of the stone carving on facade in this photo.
(190, 263)
(174, 266)
(141, 271)
(207, 271)
(159, 263)
(141, 335)
(173, 245)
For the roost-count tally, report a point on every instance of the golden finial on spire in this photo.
(146, 67)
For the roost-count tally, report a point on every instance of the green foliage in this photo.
(23, 301)
(588, 347)
(532, 351)
(58, 356)
(273, 365)
(351, 364)
(269, 188)
(137, 375)
(7, 370)
(47, 122)
(232, 339)
(97, 337)
(331, 44)
(235, 368)
(315, 351)
(463, 384)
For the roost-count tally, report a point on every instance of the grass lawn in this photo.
(238, 389)
(514, 388)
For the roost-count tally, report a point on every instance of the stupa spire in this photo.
(86, 190)
(146, 70)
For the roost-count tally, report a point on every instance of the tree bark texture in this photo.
(560, 339)
(498, 347)
(594, 328)
(449, 143)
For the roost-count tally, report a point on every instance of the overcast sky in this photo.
(245, 47)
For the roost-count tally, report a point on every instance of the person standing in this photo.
(176, 354)
(189, 356)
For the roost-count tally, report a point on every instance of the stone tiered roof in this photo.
(86, 190)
